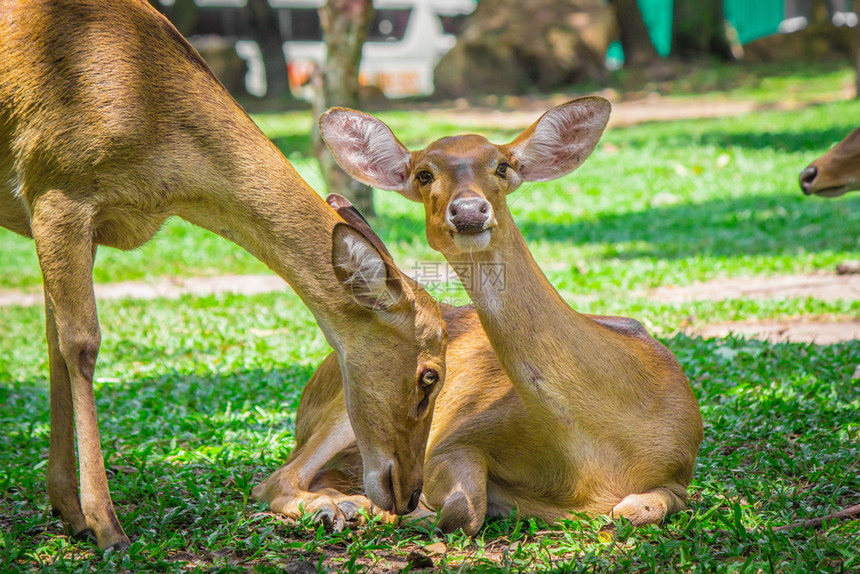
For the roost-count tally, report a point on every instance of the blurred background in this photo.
(462, 47)
(284, 54)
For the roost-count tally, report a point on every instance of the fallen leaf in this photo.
(436, 548)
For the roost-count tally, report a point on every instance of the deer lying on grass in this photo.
(836, 172)
(544, 410)
(109, 124)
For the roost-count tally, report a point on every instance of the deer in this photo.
(836, 172)
(545, 411)
(110, 123)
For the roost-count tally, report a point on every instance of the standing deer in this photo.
(544, 410)
(836, 172)
(110, 123)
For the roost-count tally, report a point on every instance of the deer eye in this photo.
(502, 170)
(429, 378)
(424, 177)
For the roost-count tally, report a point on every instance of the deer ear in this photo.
(561, 139)
(363, 270)
(367, 150)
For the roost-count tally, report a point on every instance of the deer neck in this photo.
(252, 196)
(540, 341)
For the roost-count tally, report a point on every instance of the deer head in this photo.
(463, 180)
(390, 403)
(836, 172)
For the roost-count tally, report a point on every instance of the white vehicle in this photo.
(407, 39)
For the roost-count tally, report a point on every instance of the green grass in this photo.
(198, 399)
(657, 204)
(197, 396)
(765, 83)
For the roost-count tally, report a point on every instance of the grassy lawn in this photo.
(657, 204)
(197, 396)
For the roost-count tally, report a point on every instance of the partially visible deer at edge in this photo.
(836, 172)
(110, 123)
(544, 410)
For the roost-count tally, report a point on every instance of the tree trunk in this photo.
(267, 34)
(638, 49)
(183, 15)
(857, 65)
(699, 29)
(345, 25)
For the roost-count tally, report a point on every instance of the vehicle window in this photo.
(452, 24)
(389, 25)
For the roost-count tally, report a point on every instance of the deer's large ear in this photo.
(367, 150)
(561, 139)
(363, 270)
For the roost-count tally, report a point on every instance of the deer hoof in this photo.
(331, 519)
(352, 513)
(349, 510)
(121, 546)
(86, 535)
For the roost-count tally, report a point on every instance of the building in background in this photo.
(406, 40)
(751, 19)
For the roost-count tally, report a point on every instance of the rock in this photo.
(850, 267)
(518, 46)
(820, 41)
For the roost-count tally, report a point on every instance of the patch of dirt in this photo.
(819, 330)
(797, 330)
(825, 286)
(518, 112)
(627, 113)
(172, 288)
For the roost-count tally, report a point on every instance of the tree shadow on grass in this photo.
(165, 408)
(770, 414)
(751, 225)
(783, 141)
(787, 141)
(182, 451)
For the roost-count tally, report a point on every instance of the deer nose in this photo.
(413, 501)
(469, 214)
(807, 178)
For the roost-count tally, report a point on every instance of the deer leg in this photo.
(63, 235)
(287, 490)
(651, 507)
(342, 476)
(349, 505)
(62, 463)
(457, 486)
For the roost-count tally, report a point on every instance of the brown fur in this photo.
(110, 123)
(838, 170)
(544, 410)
